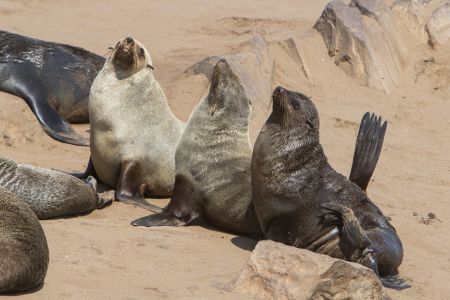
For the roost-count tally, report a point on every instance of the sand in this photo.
(101, 256)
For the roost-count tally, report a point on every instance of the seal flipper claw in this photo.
(367, 149)
(394, 282)
(349, 227)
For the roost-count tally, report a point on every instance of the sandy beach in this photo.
(101, 256)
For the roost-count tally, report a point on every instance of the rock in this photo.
(363, 42)
(253, 63)
(277, 271)
(438, 26)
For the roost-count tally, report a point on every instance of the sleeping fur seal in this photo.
(53, 79)
(302, 201)
(49, 193)
(23, 247)
(213, 162)
(133, 131)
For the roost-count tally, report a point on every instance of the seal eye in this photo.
(141, 51)
(295, 104)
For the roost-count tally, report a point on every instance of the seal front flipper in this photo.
(182, 209)
(349, 228)
(367, 149)
(36, 96)
(130, 187)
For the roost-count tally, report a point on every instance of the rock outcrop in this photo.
(438, 26)
(374, 41)
(277, 271)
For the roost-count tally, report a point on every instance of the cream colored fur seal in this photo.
(133, 131)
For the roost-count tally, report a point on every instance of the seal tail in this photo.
(367, 149)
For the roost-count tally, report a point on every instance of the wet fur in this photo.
(291, 178)
(54, 80)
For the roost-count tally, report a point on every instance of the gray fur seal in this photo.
(213, 162)
(302, 201)
(53, 79)
(49, 193)
(23, 246)
(134, 133)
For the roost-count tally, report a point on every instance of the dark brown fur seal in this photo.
(53, 79)
(212, 162)
(302, 201)
(23, 247)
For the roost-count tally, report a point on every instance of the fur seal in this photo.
(213, 162)
(49, 193)
(302, 201)
(134, 133)
(53, 79)
(23, 246)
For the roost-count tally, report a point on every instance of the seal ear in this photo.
(150, 66)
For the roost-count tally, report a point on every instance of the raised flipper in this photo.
(353, 236)
(182, 209)
(36, 96)
(367, 149)
(130, 187)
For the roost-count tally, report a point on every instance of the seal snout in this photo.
(279, 90)
(279, 94)
(222, 66)
(129, 40)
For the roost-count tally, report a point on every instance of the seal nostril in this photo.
(129, 40)
(279, 89)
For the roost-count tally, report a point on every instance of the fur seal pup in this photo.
(23, 246)
(302, 201)
(133, 131)
(49, 193)
(213, 162)
(53, 79)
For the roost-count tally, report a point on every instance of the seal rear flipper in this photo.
(367, 149)
(350, 229)
(36, 97)
(394, 282)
